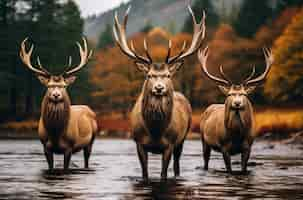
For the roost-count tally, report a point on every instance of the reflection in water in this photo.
(275, 173)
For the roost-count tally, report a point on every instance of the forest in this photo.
(110, 83)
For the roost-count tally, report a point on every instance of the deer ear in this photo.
(224, 89)
(250, 89)
(142, 67)
(70, 80)
(175, 67)
(44, 80)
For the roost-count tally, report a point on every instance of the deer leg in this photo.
(226, 157)
(86, 152)
(50, 158)
(177, 155)
(67, 158)
(206, 154)
(143, 157)
(244, 158)
(165, 162)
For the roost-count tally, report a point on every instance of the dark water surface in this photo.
(276, 172)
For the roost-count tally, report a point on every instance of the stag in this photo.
(161, 117)
(63, 128)
(229, 128)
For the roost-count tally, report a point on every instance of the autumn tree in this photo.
(285, 80)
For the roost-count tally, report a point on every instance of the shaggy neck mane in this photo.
(238, 120)
(157, 112)
(55, 116)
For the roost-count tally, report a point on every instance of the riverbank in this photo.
(275, 123)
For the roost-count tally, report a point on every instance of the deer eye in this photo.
(149, 76)
(167, 75)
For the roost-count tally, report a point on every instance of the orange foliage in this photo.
(117, 81)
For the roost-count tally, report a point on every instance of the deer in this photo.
(161, 117)
(229, 128)
(63, 128)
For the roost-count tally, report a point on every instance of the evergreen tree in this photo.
(252, 16)
(7, 56)
(53, 26)
(106, 38)
(282, 4)
(147, 27)
(198, 7)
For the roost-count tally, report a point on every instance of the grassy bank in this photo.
(270, 120)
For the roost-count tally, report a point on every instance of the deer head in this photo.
(158, 75)
(56, 84)
(237, 93)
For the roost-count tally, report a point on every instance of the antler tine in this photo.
(224, 75)
(146, 51)
(269, 59)
(84, 56)
(133, 49)
(119, 31)
(26, 59)
(203, 55)
(198, 36)
(70, 61)
(168, 51)
(41, 67)
(251, 75)
(174, 58)
(69, 66)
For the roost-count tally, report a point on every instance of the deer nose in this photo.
(237, 103)
(56, 95)
(159, 87)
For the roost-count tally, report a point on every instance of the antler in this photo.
(198, 36)
(203, 55)
(85, 56)
(120, 37)
(269, 60)
(26, 59)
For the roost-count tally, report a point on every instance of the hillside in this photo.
(169, 14)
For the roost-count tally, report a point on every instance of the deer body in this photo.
(229, 128)
(63, 128)
(231, 131)
(78, 131)
(159, 129)
(161, 117)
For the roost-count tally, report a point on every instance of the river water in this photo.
(275, 172)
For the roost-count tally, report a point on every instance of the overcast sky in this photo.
(89, 7)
